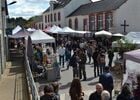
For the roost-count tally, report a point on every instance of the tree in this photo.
(13, 22)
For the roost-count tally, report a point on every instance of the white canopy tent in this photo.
(31, 29)
(16, 29)
(39, 36)
(55, 29)
(118, 35)
(133, 37)
(20, 34)
(47, 29)
(132, 62)
(66, 30)
(83, 33)
(103, 33)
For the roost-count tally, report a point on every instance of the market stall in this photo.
(132, 67)
(49, 62)
(39, 36)
(16, 29)
(103, 33)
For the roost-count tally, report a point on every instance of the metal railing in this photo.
(30, 80)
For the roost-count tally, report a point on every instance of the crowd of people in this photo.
(76, 54)
(102, 91)
(82, 50)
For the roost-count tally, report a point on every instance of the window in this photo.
(48, 18)
(59, 16)
(51, 17)
(55, 17)
(76, 24)
(108, 21)
(92, 23)
(39, 26)
(70, 23)
(85, 27)
(99, 22)
(45, 18)
(42, 26)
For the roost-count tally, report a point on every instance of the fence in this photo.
(30, 80)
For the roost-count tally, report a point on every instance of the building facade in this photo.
(78, 22)
(111, 15)
(100, 15)
(58, 11)
(129, 12)
(38, 22)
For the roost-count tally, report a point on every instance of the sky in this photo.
(28, 8)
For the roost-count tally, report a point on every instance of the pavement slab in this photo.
(13, 84)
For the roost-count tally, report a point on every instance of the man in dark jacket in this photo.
(110, 57)
(95, 59)
(106, 80)
(82, 62)
(73, 62)
(97, 94)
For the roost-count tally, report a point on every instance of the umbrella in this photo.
(29, 49)
(103, 33)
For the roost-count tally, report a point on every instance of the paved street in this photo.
(66, 78)
(87, 86)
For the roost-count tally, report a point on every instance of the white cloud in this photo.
(27, 8)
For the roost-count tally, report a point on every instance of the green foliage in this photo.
(13, 22)
(125, 46)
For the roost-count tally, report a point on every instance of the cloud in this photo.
(27, 8)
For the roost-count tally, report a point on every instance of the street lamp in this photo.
(7, 48)
(12, 3)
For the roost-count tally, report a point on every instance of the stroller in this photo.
(38, 71)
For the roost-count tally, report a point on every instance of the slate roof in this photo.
(61, 4)
(99, 6)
